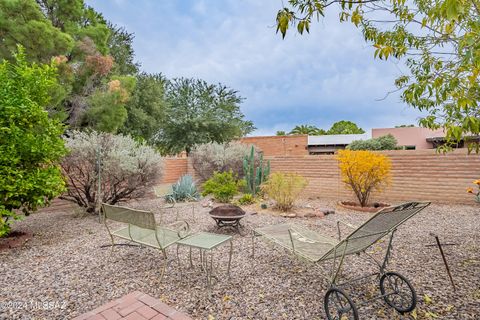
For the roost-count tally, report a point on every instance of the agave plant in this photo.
(183, 190)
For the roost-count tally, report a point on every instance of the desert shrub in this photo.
(30, 142)
(247, 198)
(386, 142)
(215, 157)
(223, 186)
(284, 188)
(126, 168)
(183, 190)
(364, 172)
(476, 193)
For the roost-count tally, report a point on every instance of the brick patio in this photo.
(134, 306)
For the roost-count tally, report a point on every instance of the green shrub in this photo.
(386, 142)
(284, 188)
(247, 198)
(183, 190)
(222, 185)
(30, 142)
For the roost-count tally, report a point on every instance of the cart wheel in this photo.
(339, 306)
(398, 292)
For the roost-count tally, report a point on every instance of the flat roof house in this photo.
(328, 144)
(412, 138)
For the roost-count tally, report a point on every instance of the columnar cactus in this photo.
(255, 176)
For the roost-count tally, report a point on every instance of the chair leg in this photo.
(253, 244)
(113, 244)
(164, 267)
(230, 258)
(179, 263)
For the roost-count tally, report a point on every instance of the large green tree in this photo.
(30, 141)
(345, 127)
(22, 23)
(88, 50)
(120, 47)
(147, 106)
(108, 112)
(439, 40)
(198, 112)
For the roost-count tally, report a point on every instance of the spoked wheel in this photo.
(339, 306)
(398, 292)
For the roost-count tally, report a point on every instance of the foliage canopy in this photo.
(198, 112)
(223, 186)
(345, 127)
(386, 142)
(307, 129)
(30, 142)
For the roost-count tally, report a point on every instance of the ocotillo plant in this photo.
(255, 175)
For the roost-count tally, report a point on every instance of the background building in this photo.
(412, 138)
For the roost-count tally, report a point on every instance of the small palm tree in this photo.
(281, 133)
(305, 129)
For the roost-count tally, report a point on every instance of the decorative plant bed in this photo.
(374, 207)
(228, 215)
(16, 239)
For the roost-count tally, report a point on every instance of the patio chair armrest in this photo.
(181, 227)
(170, 204)
(339, 222)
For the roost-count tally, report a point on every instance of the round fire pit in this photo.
(227, 216)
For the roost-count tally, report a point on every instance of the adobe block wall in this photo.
(280, 145)
(173, 168)
(416, 175)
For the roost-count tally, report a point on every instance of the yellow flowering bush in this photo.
(284, 188)
(472, 190)
(364, 172)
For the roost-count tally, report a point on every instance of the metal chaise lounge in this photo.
(395, 289)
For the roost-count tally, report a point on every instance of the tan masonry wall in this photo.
(416, 175)
(280, 145)
(174, 168)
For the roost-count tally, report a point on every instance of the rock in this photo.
(319, 214)
(227, 210)
(289, 215)
(326, 211)
(309, 214)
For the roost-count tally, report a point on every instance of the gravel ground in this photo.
(64, 265)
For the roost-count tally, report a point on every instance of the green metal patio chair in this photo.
(141, 228)
(395, 289)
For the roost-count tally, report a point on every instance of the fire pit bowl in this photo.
(228, 215)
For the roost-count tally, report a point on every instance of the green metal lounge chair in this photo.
(395, 289)
(141, 228)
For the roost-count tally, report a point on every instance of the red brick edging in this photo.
(134, 306)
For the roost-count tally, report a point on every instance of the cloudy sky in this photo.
(318, 78)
